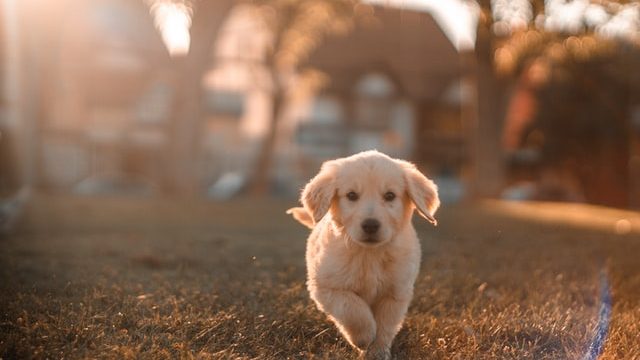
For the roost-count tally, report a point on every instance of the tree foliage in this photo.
(581, 80)
(296, 27)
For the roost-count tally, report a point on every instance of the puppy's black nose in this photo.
(370, 226)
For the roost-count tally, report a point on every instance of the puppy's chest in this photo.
(370, 276)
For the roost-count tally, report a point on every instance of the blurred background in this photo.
(215, 99)
(150, 148)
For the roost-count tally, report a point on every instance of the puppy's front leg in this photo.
(389, 313)
(350, 313)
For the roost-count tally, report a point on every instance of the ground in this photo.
(161, 278)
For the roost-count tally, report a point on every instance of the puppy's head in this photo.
(370, 196)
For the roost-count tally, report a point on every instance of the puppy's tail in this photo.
(302, 216)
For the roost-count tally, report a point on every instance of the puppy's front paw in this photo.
(362, 338)
(377, 353)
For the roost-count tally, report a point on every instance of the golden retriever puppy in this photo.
(363, 254)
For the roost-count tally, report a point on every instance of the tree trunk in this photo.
(487, 154)
(183, 177)
(262, 175)
(262, 171)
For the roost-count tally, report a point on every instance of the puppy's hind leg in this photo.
(350, 313)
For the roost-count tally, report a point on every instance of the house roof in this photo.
(407, 45)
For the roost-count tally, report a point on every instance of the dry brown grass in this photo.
(125, 278)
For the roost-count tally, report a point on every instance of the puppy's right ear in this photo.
(318, 193)
(302, 216)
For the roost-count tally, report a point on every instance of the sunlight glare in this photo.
(457, 18)
(173, 20)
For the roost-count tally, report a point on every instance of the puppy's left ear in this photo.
(423, 192)
(319, 192)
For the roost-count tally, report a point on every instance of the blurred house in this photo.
(104, 117)
(91, 103)
(396, 84)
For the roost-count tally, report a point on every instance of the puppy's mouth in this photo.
(370, 240)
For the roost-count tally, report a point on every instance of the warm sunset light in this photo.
(262, 179)
(173, 20)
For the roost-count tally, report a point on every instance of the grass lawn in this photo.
(159, 278)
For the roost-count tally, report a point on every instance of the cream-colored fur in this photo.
(361, 278)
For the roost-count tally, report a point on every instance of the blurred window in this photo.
(230, 104)
(322, 135)
(375, 94)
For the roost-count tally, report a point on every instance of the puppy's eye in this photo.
(389, 196)
(352, 196)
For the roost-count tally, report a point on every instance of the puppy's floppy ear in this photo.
(318, 193)
(423, 192)
(302, 216)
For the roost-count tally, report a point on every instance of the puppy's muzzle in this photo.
(370, 226)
